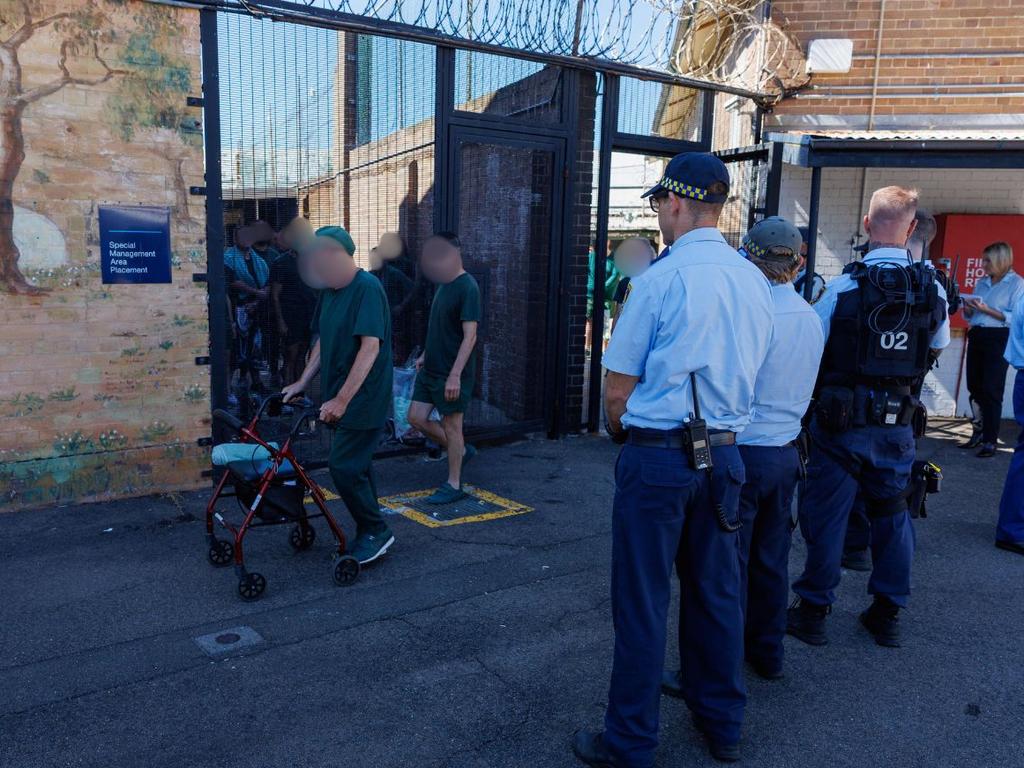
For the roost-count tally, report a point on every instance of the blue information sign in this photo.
(135, 244)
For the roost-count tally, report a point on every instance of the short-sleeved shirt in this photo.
(700, 308)
(347, 314)
(1003, 296)
(825, 307)
(454, 303)
(297, 299)
(785, 382)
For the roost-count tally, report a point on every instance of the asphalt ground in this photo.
(481, 645)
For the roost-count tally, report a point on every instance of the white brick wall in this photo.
(942, 191)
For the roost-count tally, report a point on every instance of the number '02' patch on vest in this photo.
(889, 319)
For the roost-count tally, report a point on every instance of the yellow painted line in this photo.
(328, 495)
(509, 508)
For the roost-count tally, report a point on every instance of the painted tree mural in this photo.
(83, 33)
(151, 99)
(94, 42)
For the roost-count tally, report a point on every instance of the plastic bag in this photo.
(405, 378)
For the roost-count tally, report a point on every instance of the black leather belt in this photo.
(675, 438)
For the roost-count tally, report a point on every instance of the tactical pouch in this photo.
(919, 420)
(834, 409)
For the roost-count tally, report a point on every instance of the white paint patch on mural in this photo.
(39, 241)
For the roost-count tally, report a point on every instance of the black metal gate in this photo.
(393, 134)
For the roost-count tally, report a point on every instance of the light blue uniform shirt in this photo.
(1015, 346)
(1003, 296)
(785, 382)
(898, 257)
(701, 308)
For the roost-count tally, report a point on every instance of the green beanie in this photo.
(340, 236)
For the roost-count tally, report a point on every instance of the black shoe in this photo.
(767, 670)
(988, 450)
(720, 750)
(881, 619)
(672, 684)
(589, 748)
(857, 560)
(973, 442)
(1009, 546)
(806, 622)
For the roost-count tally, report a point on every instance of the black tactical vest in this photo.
(881, 330)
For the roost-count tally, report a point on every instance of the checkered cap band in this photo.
(686, 190)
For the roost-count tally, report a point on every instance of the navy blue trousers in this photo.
(882, 458)
(663, 517)
(765, 503)
(1011, 508)
(858, 528)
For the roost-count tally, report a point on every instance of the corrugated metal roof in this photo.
(908, 135)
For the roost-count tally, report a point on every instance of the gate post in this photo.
(216, 289)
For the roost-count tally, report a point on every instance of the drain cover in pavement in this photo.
(481, 505)
(228, 641)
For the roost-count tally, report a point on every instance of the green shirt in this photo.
(454, 303)
(346, 314)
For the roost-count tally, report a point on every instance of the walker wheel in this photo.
(302, 537)
(251, 586)
(221, 553)
(346, 571)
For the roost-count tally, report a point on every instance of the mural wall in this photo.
(99, 392)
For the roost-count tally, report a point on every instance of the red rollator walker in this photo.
(271, 487)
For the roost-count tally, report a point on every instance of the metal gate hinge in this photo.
(204, 441)
(195, 101)
(198, 277)
(200, 191)
(204, 360)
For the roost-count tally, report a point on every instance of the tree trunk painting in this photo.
(78, 29)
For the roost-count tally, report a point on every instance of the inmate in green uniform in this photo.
(346, 314)
(454, 303)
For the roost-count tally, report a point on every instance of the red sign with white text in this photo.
(965, 235)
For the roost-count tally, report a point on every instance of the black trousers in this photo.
(986, 376)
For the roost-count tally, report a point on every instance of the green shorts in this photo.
(429, 388)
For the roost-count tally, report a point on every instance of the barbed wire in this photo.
(727, 42)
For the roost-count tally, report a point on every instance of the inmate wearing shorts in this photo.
(454, 303)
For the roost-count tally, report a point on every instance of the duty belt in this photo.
(675, 438)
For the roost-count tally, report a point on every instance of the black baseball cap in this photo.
(691, 174)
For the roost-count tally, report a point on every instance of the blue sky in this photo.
(277, 82)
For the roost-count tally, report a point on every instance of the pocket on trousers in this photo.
(667, 475)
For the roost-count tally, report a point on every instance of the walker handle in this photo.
(228, 419)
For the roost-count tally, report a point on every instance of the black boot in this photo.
(881, 619)
(672, 684)
(767, 670)
(806, 621)
(589, 748)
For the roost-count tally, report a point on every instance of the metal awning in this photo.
(902, 149)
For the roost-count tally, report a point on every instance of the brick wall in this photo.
(99, 393)
(960, 42)
(942, 191)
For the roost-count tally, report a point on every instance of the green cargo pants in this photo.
(351, 466)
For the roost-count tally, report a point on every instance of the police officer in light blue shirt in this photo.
(883, 322)
(769, 446)
(1010, 530)
(697, 322)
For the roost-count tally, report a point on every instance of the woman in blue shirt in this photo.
(989, 314)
